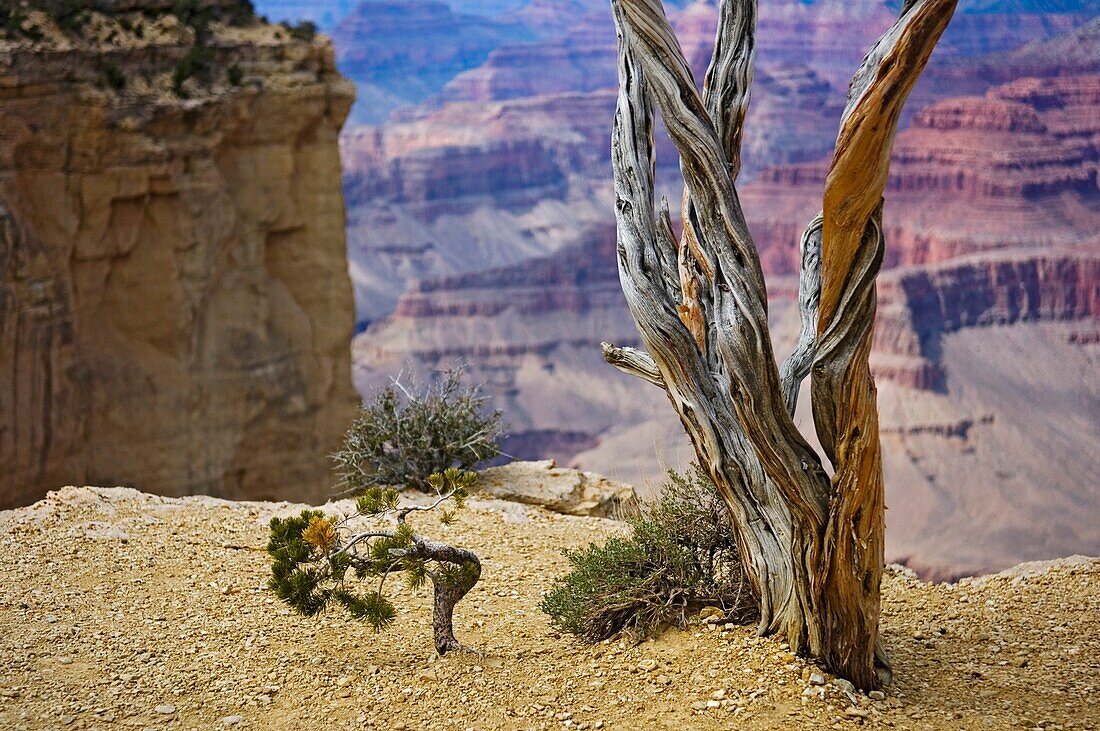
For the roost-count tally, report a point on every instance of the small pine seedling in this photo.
(315, 557)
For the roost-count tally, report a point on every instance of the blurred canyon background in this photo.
(479, 229)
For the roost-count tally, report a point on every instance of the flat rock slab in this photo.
(560, 489)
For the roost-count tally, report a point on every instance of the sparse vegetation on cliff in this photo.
(191, 24)
(303, 31)
(68, 14)
(404, 434)
(197, 64)
(113, 75)
(74, 17)
(313, 554)
(681, 554)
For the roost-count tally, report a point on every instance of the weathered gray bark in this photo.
(812, 546)
(446, 592)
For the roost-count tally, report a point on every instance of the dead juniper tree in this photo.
(313, 553)
(811, 545)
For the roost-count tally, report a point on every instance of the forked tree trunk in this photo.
(812, 546)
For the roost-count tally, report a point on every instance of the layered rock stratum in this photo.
(175, 309)
(401, 52)
(122, 609)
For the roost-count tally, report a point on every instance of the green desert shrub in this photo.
(405, 434)
(681, 555)
(113, 75)
(320, 560)
(198, 64)
(69, 15)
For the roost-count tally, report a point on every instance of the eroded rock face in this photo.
(1014, 167)
(919, 305)
(175, 309)
(403, 51)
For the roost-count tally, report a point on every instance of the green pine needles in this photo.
(318, 560)
(681, 555)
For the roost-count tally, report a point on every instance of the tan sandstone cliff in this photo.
(175, 308)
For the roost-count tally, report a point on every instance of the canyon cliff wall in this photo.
(175, 308)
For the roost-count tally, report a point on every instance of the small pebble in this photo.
(844, 685)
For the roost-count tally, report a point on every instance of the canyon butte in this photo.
(175, 307)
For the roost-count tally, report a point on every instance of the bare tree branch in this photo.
(797, 365)
(634, 362)
(722, 235)
(723, 381)
(861, 159)
(812, 548)
(729, 76)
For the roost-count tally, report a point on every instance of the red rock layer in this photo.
(918, 305)
(515, 151)
(510, 153)
(1016, 167)
(578, 280)
(581, 58)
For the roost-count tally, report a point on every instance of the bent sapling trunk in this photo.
(448, 590)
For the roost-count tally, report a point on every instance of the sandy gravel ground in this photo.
(124, 610)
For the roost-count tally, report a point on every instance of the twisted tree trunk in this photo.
(812, 546)
(448, 591)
